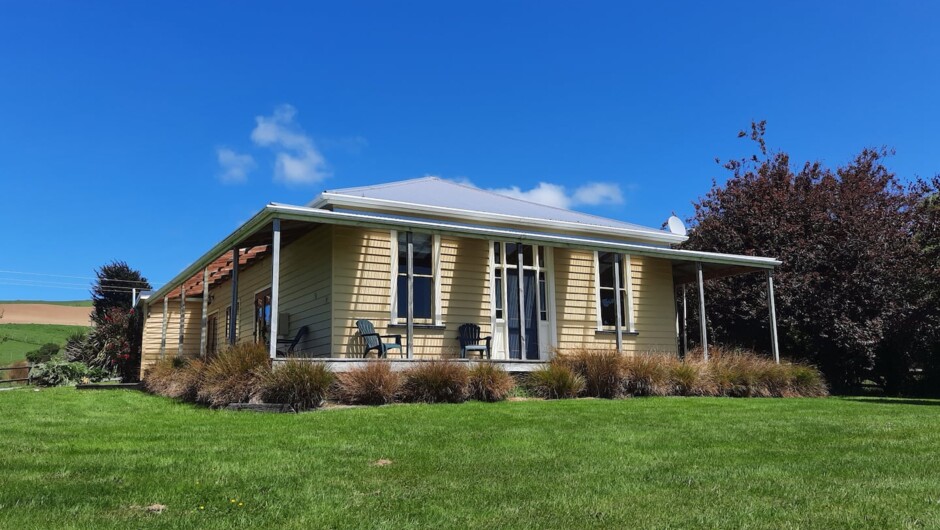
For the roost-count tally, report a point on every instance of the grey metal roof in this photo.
(440, 193)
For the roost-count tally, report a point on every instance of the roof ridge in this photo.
(543, 205)
(383, 185)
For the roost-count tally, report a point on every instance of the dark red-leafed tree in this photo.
(847, 288)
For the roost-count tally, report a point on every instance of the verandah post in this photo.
(203, 331)
(410, 328)
(182, 318)
(166, 309)
(774, 346)
(685, 324)
(233, 310)
(275, 286)
(701, 309)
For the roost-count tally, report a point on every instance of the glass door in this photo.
(520, 313)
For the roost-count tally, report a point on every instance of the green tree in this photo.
(113, 288)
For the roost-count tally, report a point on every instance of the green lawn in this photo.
(18, 339)
(97, 459)
(72, 303)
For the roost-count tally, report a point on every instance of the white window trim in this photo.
(435, 272)
(626, 274)
(393, 292)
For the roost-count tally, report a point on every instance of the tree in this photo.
(114, 343)
(847, 288)
(113, 288)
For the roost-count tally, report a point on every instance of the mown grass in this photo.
(98, 459)
(18, 339)
(70, 303)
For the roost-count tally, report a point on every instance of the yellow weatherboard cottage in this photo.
(428, 269)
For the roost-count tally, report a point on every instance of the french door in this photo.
(521, 316)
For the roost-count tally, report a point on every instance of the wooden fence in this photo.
(26, 379)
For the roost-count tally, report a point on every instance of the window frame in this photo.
(212, 339)
(228, 323)
(436, 313)
(626, 285)
(265, 291)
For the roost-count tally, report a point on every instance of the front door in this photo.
(518, 264)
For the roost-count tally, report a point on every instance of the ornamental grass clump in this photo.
(691, 378)
(436, 382)
(648, 375)
(556, 380)
(232, 376)
(739, 373)
(807, 381)
(490, 382)
(603, 371)
(374, 383)
(302, 385)
(158, 377)
(184, 381)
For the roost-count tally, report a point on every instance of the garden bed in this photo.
(243, 374)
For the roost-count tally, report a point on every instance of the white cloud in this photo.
(235, 167)
(590, 194)
(297, 159)
(597, 193)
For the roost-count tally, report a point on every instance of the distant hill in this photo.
(44, 313)
(71, 303)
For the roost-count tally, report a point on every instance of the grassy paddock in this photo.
(99, 459)
(18, 339)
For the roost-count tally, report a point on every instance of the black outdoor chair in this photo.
(292, 343)
(373, 340)
(469, 337)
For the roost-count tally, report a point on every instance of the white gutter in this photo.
(391, 207)
(308, 214)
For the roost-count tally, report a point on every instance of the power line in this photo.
(72, 284)
(59, 285)
(95, 278)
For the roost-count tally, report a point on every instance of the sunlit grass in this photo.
(123, 459)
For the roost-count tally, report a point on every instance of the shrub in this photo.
(232, 375)
(374, 383)
(185, 379)
(691, 378)
(158, 376)
(302, 385)
(57, 372)
(648, 375)
(436, 382)
(490, 382)
(43, 354)
(602, 370)
(555, 381)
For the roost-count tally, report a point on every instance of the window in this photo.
(228, 322)
(212, 337)
(426, 294)
(262, 313)
(606, 302)
(543, 305)
(498, 293)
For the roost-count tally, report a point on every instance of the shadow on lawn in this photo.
(895, 401)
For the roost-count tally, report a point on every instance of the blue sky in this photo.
(124, 125)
